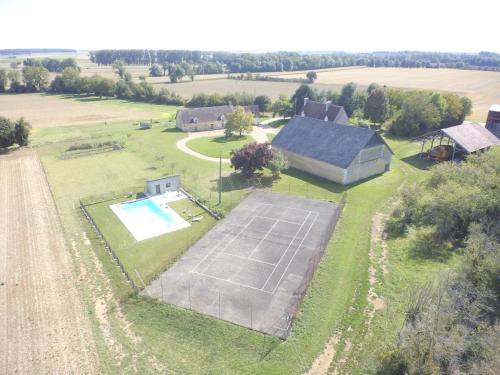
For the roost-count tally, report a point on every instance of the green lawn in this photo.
(148, 258)
(213, 146)
(187, 342)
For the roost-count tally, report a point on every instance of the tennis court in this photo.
(254, 267)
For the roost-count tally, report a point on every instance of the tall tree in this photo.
(36, 78)
(175, 73)
(119, 68)
(304, 91)
(4, 80)
(349, 98)
(155, 70)
(6, 132)
(264, 102)
(312, 76)
(239, 121)
(376, 106)
(22, 131)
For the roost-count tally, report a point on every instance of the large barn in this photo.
(339, 153)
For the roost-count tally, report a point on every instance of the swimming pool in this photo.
(150, 217)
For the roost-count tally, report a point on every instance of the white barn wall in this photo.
(315, 167)
(369, 162)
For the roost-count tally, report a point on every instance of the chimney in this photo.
(302, 113)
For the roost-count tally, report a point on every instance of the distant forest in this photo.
(227, 62)
(29, 51)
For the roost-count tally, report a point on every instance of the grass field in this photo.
(149, 257)
(214, 146)
(187, 342)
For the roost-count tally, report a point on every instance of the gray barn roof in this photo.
(326, 141)
(206, 114)
(471, 137)
(320, 110)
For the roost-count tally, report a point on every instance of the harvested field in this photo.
(481, 86)
(43, 324)
(45, 111)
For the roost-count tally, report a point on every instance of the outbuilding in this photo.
(493, 120)
(163, 184)
(339, 153)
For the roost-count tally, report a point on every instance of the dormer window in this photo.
(194, 120)
(221, 118)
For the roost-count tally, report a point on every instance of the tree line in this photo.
(51, 64)
(451, 323)
(402, 112)
(205, 62)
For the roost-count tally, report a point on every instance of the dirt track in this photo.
(43, 326)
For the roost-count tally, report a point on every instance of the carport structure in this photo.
(466, 138)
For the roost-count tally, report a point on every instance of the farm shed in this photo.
(493, 120)
(209, 118)
(163, 184)
(324, 111)
(465, 139)
(339, 153)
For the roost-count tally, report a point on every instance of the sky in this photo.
(255, 25)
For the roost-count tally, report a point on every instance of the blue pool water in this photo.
(149, 205)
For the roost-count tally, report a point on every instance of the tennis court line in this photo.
(231, 282)
(296, 251)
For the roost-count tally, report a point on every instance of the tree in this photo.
(349, 98)
(417, 115)
(175, 73)
(36, 78)
(312, 76)
(278, 163)
(264, 102)
(6, 132)
(304, 91)
(22, 131)
(372, 87)
(155, 71)
(238, 121)
(282, 106)
(376, 106)
(4, 80)
(164, 67)
(251, 157)
(119, 68)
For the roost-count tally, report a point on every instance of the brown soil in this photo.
(322, 362)
(43, 324)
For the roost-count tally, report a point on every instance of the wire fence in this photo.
(107, 245)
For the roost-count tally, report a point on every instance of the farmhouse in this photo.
(325, 111)
(493, 120)
(340, 153)
(461, 140)
(209, 118)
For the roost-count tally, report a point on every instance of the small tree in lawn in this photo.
(251, 157)
(239, 121)
(278, 163)
(311, 76)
